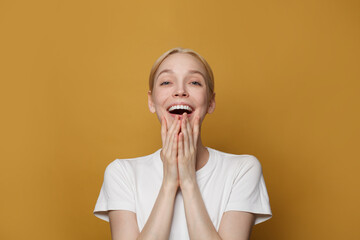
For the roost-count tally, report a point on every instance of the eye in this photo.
(165, 83)
(196, 83)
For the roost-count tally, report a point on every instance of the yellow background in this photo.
(73, 98)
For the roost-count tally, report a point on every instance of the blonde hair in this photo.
(209, 76)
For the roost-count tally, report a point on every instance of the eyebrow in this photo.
(190, 71)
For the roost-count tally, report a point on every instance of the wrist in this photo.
(189, 185)
(169, 187)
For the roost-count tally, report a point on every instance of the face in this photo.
(180, 86)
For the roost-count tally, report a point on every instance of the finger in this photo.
(174, 142)
(196, 129)
(169, 133)
(185, 132)
(181, 146)
(163, 130)
(190, 133)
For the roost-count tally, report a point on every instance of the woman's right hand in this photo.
(168, 152)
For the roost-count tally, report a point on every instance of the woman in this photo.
(184, 190)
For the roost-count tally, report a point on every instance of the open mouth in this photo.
(180, 109)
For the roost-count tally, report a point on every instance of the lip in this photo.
(180, 116)
(179, 103)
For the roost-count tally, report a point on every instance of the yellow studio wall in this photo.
(73, 99)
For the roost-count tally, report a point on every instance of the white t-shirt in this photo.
(226, 182)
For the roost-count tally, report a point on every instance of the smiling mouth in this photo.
(180, 109)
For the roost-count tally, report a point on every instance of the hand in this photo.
(169, 152)
(187, 151)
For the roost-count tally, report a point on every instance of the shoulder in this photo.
(247, 170)
(126, 164)
(246, 159)
(241, 162)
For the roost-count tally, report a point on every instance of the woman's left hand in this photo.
(187, 151)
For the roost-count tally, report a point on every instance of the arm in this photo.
(197, 218)
(235, 225)
(123, 223)
(158, 225)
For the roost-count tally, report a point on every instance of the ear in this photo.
(212, 104)
(150, 102)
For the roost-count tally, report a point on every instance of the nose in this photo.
(180, 91)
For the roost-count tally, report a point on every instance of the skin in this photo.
(182, 155)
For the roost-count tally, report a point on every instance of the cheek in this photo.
(169, 121)
(160, 96)
(203, 97)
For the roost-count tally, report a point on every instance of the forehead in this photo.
(181, 62)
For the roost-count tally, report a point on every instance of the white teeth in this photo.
(180, 107)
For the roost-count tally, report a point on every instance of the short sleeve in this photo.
(249, 192)
(116, 192)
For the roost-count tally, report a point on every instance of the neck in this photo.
(202, 154)
(200, 146)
